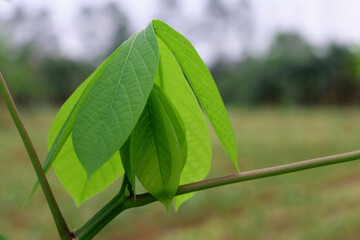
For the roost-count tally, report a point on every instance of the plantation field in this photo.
(316, 204)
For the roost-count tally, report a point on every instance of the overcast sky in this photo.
(318, 20)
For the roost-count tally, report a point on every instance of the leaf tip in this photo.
(78, 203)
(234, 158)
(237, 167)
(167, 204)
(156, 21)
(33, 190)
(176, 207)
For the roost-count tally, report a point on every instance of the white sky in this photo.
(318, 20)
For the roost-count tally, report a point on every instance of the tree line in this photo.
(292, 72)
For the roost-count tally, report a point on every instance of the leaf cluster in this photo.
(138, 114)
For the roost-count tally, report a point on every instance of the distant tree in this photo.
(292, 72)
(31, 56)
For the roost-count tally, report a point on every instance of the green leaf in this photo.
(128, 161)
(160, 148)
(73, 176)
(201, 82)
(67, 167)
(63, 123)
(114, 104)
(171, 80)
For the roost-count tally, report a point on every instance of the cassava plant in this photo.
(140, 115)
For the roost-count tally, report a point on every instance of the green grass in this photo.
(315, 204)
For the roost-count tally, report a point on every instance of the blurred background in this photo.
(288, 71)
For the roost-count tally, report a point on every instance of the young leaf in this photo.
(63, 123)
(67, 166)
(114, 104)
(201, 82)
(73, 176)
(160, 148)
(171, 80)
(128, 161)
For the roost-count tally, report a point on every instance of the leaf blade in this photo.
(115, 103)
(160, 147)
(73, 177)
(128, 161)
(63, 123)
(66, 165)
(202, 83)
(171, 80)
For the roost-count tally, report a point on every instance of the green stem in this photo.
(59, 219)
(102, 218)
(269, 172)
(105, 215)
(146, 198)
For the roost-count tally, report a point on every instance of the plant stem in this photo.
(61, 225)
(269, 172)
(147, 198)
(105, 215)
(102, 218)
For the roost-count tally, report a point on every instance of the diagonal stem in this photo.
(269, 172)
(146, 198)
(118, 205)
(61, 225)
(105, 215)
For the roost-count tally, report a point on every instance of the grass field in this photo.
(315, 204)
